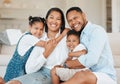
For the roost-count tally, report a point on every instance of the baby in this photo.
(77, 49)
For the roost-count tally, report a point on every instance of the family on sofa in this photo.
(39, 52)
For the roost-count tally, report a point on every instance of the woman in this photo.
(42, 60)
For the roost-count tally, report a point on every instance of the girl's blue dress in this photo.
(16, 66)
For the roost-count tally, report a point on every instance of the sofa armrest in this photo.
(0, 48)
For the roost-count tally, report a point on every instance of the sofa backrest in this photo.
(7, 49)
(114, 39)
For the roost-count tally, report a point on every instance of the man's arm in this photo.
(74, 64)
(94, 51)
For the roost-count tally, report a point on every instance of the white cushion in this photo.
(10, 36)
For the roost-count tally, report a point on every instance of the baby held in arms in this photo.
(63, 73)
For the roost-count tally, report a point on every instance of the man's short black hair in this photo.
(78, 9)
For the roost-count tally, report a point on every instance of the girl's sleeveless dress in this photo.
(16, 66)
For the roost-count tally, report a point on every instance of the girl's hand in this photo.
(58, 39)
(65, 31)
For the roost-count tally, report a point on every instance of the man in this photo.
(99, 56)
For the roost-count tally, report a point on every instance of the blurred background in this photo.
(15, 13)
(14, 22)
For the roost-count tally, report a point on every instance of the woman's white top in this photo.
(37, 60)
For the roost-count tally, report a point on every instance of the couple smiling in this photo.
(98, 58)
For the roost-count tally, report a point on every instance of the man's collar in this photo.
(87, 28)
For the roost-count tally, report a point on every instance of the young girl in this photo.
(25, 45)
(76, 49)
(16, 66)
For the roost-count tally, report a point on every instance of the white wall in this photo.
(94, 9)
(16, 16)
(116, 15)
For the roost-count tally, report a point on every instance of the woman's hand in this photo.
(49, 47)
(41, 43)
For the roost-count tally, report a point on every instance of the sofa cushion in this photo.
(10, 36)
(118, 75)
(2, 70)
(116, 60)
(4, 59)
(0, 48)
(7, 49)
(114, 39)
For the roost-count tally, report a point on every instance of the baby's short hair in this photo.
(73, 32)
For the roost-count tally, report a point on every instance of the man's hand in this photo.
(74, 64)
(58, 66)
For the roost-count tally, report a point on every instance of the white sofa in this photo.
(8, 37)
(114, 38)
(6, 53)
